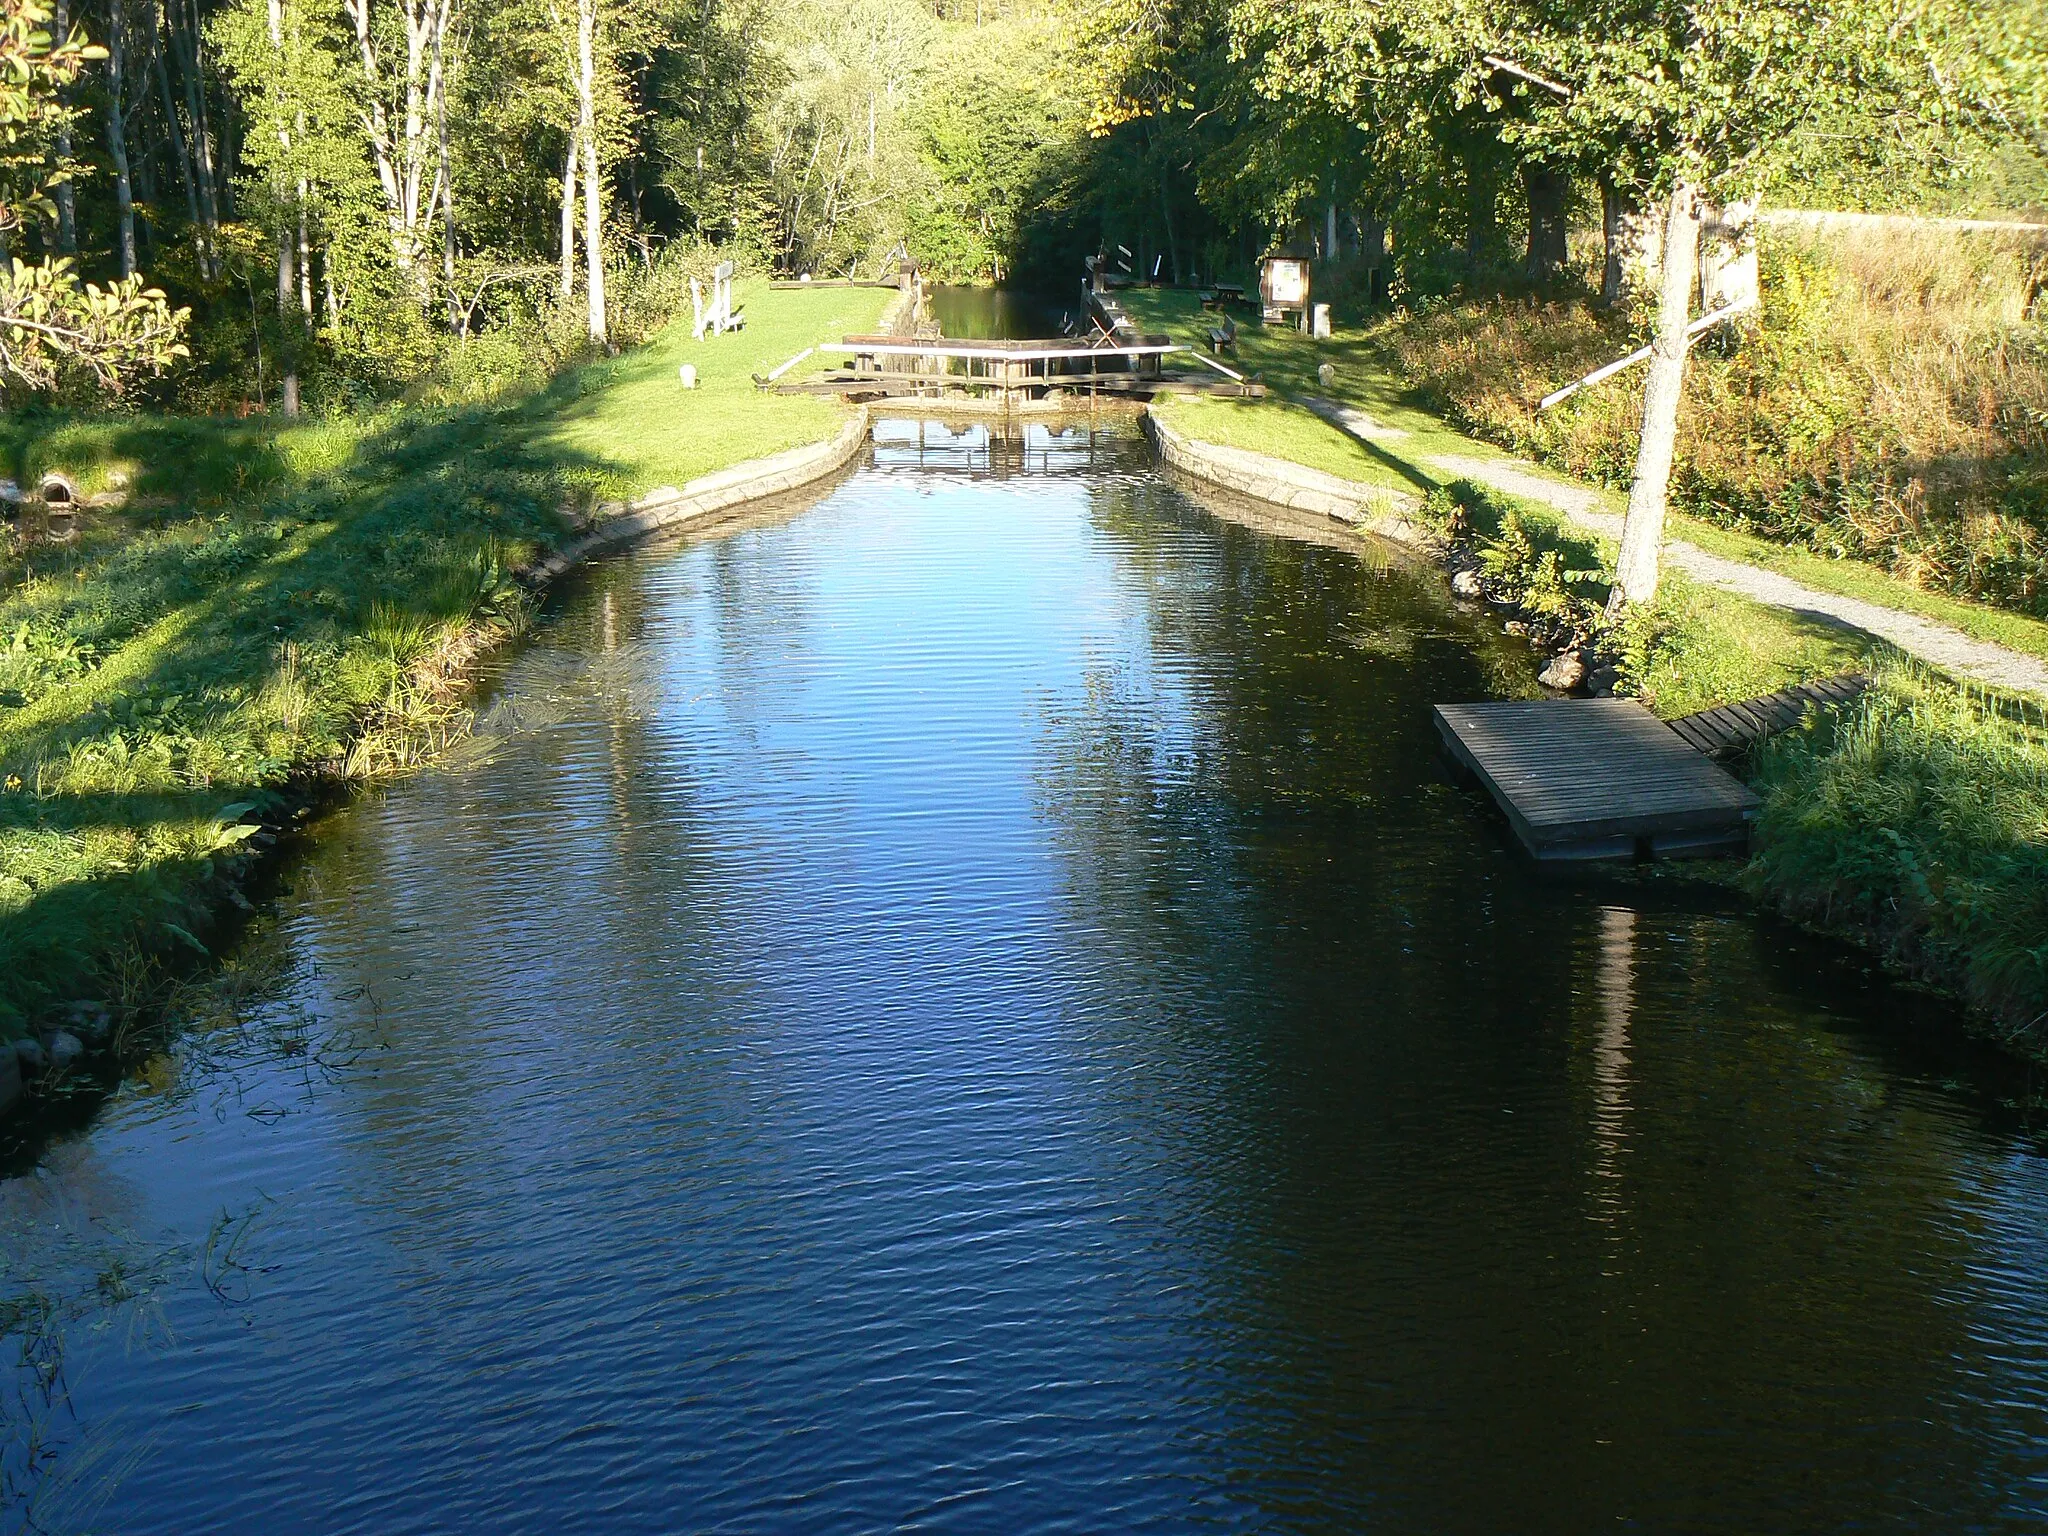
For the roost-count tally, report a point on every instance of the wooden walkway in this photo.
(1729, 729)
(887, 366)
(1597, 779)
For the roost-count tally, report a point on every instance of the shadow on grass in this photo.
(233, 648)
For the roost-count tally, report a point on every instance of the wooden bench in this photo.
(1223, 338)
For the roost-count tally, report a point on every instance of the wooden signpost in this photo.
(718, 316)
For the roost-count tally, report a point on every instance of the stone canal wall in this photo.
(1375, 509)
(667, 507)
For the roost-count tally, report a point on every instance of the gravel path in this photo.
(1949, 649)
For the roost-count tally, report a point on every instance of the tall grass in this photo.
(1921, 817)
(1891, 405)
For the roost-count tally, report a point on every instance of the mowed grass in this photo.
(633, 415)
(1286, 361)
(1855, 578)
(279, 601)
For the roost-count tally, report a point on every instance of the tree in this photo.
(1675, 102)
(1692, 101)
(49, 322)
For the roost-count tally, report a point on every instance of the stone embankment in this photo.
(665, 507)
(1376, 509)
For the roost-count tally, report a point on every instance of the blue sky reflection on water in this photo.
(969, 1005)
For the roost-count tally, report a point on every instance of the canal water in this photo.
(969, 1006)
(969, 313)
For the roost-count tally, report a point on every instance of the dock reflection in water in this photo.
(970, 1006)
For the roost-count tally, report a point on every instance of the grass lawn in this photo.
(1853, 578)
(1287, 362)
(268, 604)
(632, 414)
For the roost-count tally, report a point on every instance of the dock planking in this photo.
(1732, 728)
(1597, 779)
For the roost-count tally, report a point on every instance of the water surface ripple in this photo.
(969, 1007)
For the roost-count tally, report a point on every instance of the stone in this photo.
(65, 1049)
(1466, 584)
(1566, 671)
(93, 1022)
(1514, 627)
(1603, 678)
(30, 1057)
(687, 375)
(1326, 374)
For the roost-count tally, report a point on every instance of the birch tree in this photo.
(401, 49)
(50, 323)
(118, 87)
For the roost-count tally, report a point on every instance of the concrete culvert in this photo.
(57, 491)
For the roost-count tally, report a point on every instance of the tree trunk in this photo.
(305, 263)
(1545, 255)
(202, 154)
(286, 249)
(285, 274)
(1372, 255)
(117, 133)
(593, 188)
(569, 219)
(66, 198)
(173, 126)
(1612, 282)
(1482, 215)
(1172, 239)
(1642, 534)
(458, 321)
(145, 183)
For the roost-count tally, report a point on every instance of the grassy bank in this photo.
(1916, 824)
(282, 602)
(1889, 405)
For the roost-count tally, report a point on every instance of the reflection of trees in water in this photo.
(1504, 1199)
(78, 1276)
(75, 1279)
(519, 880)
(1614, 984)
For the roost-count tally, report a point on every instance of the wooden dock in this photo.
(1597, 779)
(1731, 728)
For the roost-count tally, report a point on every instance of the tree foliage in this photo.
(354, 187)
(50, 322)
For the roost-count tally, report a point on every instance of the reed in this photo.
(1920, 818)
